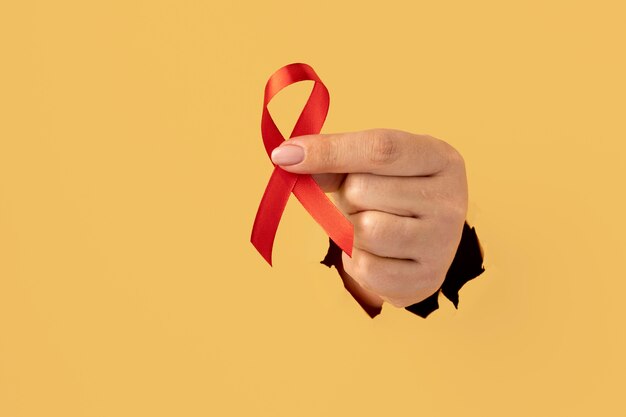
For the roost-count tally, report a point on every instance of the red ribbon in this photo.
(303, 186)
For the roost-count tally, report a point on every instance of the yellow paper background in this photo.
(131, 167)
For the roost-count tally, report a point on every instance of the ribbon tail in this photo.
(270, 210)
(325, 213)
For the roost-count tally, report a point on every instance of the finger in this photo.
(390, 278)
(375, 151)
(407, 301)
(329, 182)
(390, 236)
(404, 196)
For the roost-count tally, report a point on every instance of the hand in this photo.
(405, 194)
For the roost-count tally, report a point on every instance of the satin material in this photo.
(303, 186)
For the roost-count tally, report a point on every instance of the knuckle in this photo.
(354, 189)
(454, 159)
(446, 156)
(365, 272)
(381, 147)
(327, 153)
(367, 224)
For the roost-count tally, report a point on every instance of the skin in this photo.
(406, 195)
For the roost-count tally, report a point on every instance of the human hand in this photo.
(406, 195)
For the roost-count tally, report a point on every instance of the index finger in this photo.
(374, 151)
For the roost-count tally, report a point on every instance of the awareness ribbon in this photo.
(303, 186)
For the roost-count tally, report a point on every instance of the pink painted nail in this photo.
(287, 155)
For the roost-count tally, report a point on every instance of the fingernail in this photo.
(287, 155)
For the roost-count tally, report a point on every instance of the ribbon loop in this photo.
(303, 186)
